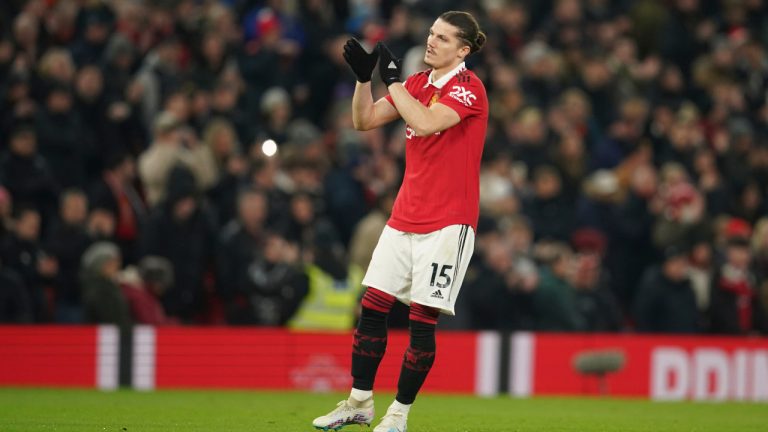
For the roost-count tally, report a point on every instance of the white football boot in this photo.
(346, 413)
(393, 421)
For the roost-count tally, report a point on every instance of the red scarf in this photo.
(738, 283)
(126, 228)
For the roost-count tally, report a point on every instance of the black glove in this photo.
(359, 60)
(389, 65)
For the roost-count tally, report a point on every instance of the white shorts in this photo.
(427, 269)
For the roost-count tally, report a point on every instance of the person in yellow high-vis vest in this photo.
(331, 302)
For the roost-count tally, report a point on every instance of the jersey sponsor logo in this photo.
(463, 95)
(437, 294)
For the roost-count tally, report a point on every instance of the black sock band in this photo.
(370, 343)
(417, 361)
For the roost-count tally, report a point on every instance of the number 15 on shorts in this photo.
(441, 277)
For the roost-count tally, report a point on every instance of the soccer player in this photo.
(424, 250)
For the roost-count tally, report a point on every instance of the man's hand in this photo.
(359, 60)
(389, 65)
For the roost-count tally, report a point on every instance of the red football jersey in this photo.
(442, 171)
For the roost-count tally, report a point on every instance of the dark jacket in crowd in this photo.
(22, 256)
(551, 218)
(555, 303)
(188, 244)
(30, 181)
(491, 303)
(103, 301)
(68, 243)
(735, 306)
(599, 308)
(15, 305)
(237, 250)
(665, 306)
(63, 145)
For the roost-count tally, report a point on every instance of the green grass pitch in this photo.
(31, 410)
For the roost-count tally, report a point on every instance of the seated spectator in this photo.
(499, 293)
(23, 253)
(26, 174)
(240, 244)
(554, 300)
(182, 230)
(115, 192)
(305, 223)
(594, 297)
(334, 286)
(15, 304)
(278, 282)
(142, 288)
(665, 301)
(60, 135)
(224, 167)
(172, 146)
(549, 211)
(67, 242)
(103, 301)
(735, 307)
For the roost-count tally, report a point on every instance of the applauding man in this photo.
(424, 250)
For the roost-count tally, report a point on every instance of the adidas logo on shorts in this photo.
(437, 294)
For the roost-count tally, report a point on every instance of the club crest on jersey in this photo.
(435, 97)
(462, 95)
(410, 133)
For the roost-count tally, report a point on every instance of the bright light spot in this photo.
(269, 147)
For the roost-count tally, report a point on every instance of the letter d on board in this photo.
(670, 374)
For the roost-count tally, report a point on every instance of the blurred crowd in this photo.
(194, 162)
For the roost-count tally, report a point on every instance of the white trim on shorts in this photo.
(424, 268)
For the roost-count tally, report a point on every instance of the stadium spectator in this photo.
(15, 305)
(554, 301)
(279, 282)
(182, 230)
(26, 174)
(665, 300)
(173, 145)
(500, 277)
(735, 307)
(116, 193)
(594, 297)
(224, 167)
(102, 299)
(60, 137)
(550, 212)
(23, 253)
(158, 77)
(142, 287)
(305, 225)
(241, 244)
(67, 242)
